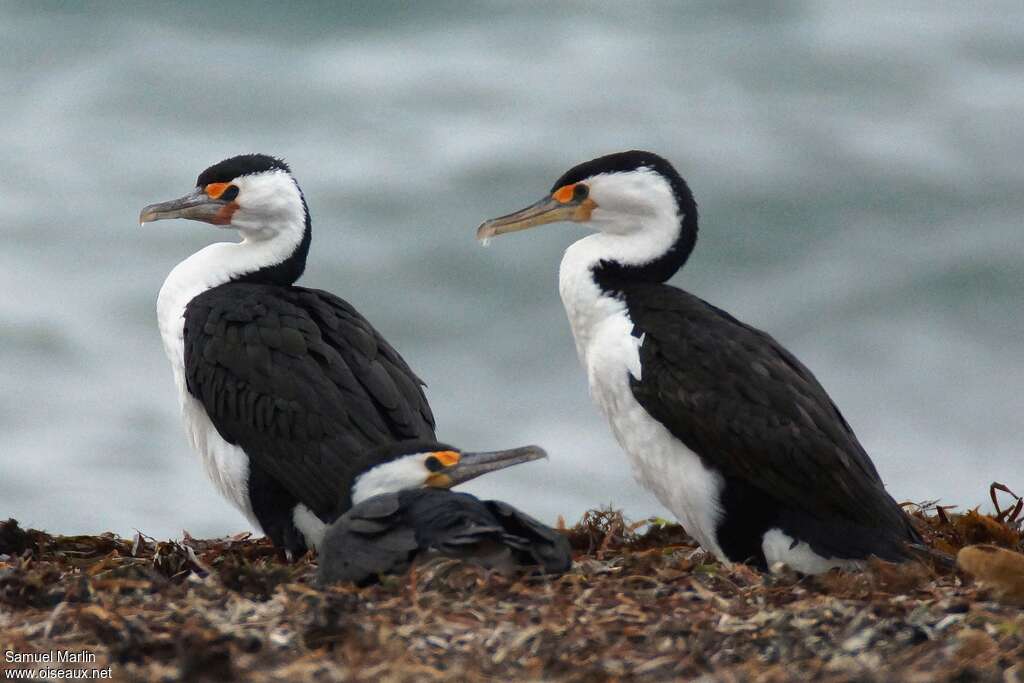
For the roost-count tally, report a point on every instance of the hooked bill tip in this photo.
(484, 233)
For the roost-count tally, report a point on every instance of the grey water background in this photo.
(858, 168)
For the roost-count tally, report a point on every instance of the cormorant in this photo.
(284, 389)
(728, 429)
(384, 533)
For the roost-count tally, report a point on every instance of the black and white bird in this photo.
(728, 429)
(385, 533)
(287, 393)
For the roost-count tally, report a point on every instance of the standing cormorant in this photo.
(288, 393)
(728, 429)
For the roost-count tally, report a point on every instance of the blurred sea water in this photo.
(858, 168)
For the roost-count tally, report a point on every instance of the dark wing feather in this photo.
(382, 535)
(365, 542)
(534, 542)
(302, 383)
(748, 407)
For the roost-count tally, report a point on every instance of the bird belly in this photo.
(660, 462)
(226, 464)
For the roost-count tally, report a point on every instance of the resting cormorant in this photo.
(385, 533)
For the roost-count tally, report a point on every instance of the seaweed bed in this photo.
(641, 602)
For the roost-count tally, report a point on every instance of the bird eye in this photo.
(580, 192)
(223, 191)
(434, 464)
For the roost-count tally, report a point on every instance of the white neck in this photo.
(586, 304)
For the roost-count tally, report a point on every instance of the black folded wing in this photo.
(384, 534)
(749, 409)
(302, 383)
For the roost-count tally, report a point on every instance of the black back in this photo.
(304, 384)
(750, 410)
(384, 534)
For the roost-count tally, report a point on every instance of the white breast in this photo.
(610, 354)
(226, 465)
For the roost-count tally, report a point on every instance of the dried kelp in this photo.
(642, 602)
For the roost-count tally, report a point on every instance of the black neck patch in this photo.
(611, 276)
(243, 164)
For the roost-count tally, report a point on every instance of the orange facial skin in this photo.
(223, 216)
(447, 458)
(215, 190)
(584, 210)
(566, 193)
(563, 195)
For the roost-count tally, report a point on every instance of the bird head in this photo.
(410, 465)
(634, 195)
(253, 193)
(617, 193)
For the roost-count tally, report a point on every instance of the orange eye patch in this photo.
(448, 458)
(215, 190)
(577, 192)
(564, 194)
